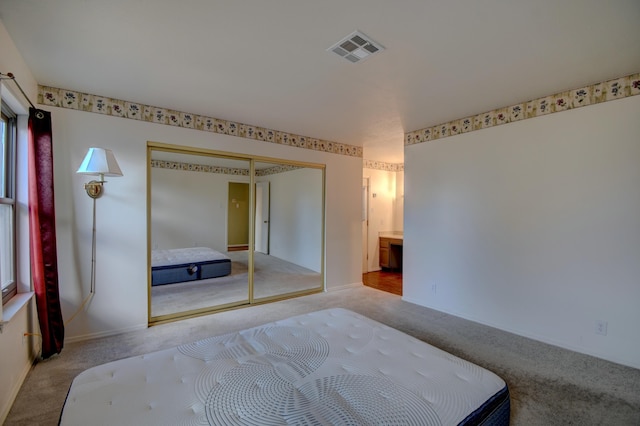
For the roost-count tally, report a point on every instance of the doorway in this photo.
(238, 216)
(382, 219)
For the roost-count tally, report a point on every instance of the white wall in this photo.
(398, 207)
(121, 289)
(385, 209)
(296, 217)
(189, 209)
(533, 227)
(16, 352)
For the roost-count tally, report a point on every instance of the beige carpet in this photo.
(548, 385)
(272, 277)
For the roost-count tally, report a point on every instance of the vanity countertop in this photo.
(391, 234)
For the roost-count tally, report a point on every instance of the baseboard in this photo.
(345, 286)
(16, 389)
(90, 336)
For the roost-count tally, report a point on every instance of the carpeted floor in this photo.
(272, 277)
(548, 385)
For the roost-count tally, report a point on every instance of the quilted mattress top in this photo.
(182, 256)
(327, 367)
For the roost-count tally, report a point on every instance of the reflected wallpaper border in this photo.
(205, 168)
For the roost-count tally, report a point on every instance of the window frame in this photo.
(10, 134)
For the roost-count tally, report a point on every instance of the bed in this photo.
(170, 266)
(327, 367)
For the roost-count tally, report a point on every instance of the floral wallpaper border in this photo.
(381, 165)
(71, 99)
(596, 93)
(191, 167)
(280, 168)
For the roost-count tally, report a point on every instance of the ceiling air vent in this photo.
(356, 47)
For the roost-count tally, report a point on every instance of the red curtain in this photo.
(42, 228)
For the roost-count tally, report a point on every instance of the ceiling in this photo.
(266, 63)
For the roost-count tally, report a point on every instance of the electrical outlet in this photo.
(434, 288)
(600, 327)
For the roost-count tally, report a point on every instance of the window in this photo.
(7, 204)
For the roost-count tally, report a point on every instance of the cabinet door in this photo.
(384, 257)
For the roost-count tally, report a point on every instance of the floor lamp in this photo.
(98, 162)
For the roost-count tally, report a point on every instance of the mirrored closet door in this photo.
(288, 229)
(227, 230)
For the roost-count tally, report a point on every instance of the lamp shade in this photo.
(100, 161)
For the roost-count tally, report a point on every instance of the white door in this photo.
(262, 217)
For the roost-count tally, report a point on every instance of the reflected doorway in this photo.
(238, 216)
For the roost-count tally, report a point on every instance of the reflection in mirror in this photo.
(193, 227)
(288, 229)
(202, 211)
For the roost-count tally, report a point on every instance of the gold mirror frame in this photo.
(178, 149)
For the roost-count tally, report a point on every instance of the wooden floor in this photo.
(384, 280)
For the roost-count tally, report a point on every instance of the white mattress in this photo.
(181, 256)
(326, 367)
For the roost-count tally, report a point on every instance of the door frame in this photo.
(365, 225)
